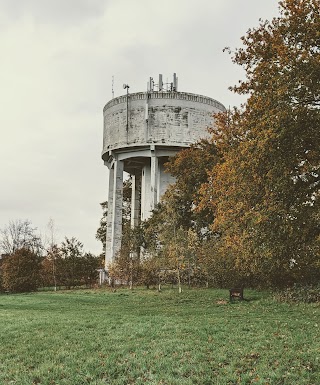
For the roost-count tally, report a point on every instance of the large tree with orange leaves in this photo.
(265, 190)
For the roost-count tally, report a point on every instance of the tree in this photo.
(71, 266)
(150, 269)
(52, 267)
(1, 273)
(265, 190)
(190, 168)
(102, 230)
(88, 270)
(126, 266)
(69, 271)
(17, 235)
(126, 212)
(52, 252)
(168, 246)
(177, 215)
(21, 271)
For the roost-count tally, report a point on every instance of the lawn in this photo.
(145, 337)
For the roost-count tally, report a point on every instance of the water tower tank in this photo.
(141, 130)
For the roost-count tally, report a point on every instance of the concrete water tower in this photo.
(141, 130)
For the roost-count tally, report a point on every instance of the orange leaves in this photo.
(283, 53)
(255, 183)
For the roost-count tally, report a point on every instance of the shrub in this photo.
(21, 271)
(299, 293)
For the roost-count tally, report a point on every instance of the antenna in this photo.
(151, 85)
(160, 86)
(126, 86)
(174, 85)
(112, 86)
(175, 82)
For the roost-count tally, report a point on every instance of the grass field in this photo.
(145, 337)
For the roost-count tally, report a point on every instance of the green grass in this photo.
(146, 337)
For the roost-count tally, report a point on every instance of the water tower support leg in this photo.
(114, 224)
(108, 256)
(154, 180)
(135, 200)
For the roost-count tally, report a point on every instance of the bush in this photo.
(1, 280)
(299, 293)
(21, 271)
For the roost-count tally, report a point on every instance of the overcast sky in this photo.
(56, 66)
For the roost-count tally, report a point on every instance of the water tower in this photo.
(141, 131)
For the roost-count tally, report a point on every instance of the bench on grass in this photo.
(236, 293)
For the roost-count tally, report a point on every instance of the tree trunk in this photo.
(179, 281)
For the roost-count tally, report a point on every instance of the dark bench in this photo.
(236, 293)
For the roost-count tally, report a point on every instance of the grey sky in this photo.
(57, 61)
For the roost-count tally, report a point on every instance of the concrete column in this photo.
(146, 192)
(102, 276)
(114, 223)
(135, 200)
(108, 255)
(154, 180)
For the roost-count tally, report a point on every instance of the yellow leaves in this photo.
(261, 164)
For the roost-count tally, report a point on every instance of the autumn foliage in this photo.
(21, 271)
(251, 192)
(265, 190)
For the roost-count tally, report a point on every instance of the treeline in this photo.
(245, 208)
(26, 264)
